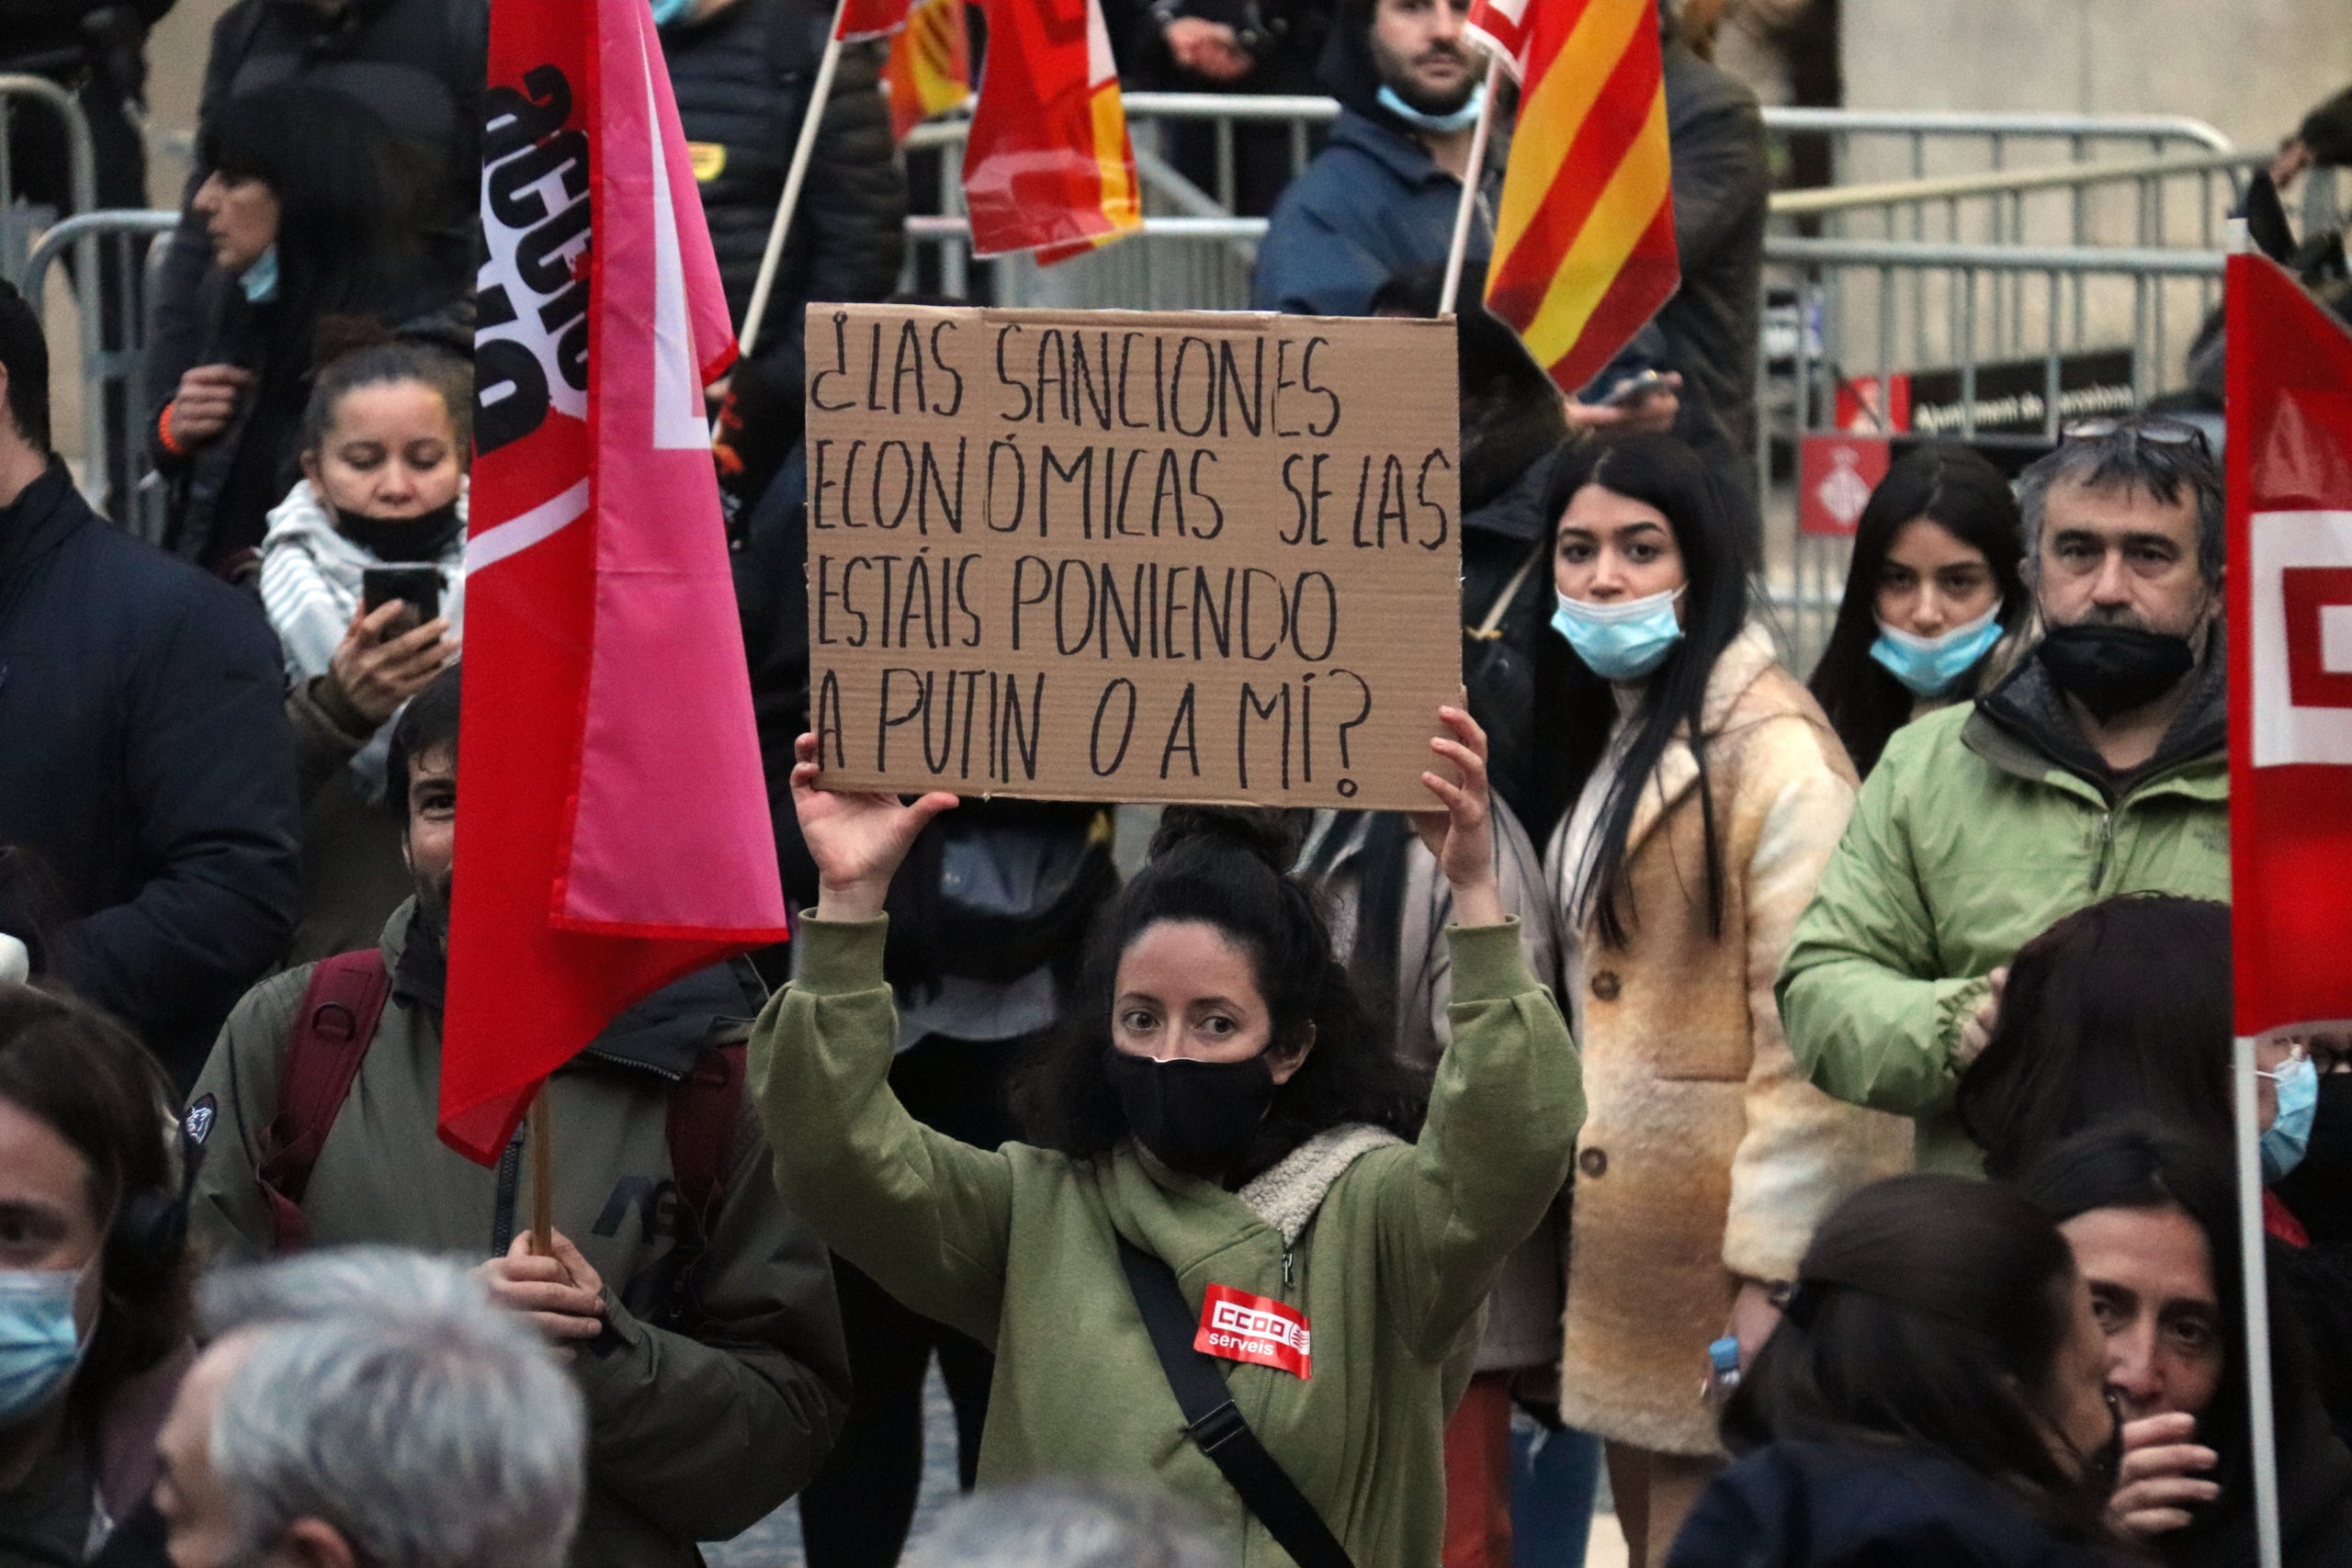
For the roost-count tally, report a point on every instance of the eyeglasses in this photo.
(2155, 431)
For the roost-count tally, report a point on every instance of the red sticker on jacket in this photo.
(1243, 1327)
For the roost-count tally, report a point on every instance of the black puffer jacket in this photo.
(742, 77)
(146, 767)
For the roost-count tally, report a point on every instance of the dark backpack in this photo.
(341, 1008)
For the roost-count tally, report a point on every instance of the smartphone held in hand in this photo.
(418, 586)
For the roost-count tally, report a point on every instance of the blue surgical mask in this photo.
(1462, 119)
(260, 280)
(1930, 666)
(2289, 1132)
(668, 11)
(1624, 641)
(40, 1345)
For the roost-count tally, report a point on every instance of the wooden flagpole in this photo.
(1474, 174)
(542, 1141)
(755, 313)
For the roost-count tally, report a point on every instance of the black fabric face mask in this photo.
(2318, 1191)
(1195, 1117)
(405, 540)
(2112, 669)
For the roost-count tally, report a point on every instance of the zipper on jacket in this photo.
(501, 1213)
(1286, 1268)
(2106, 845)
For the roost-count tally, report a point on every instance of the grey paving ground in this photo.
(775, 1541)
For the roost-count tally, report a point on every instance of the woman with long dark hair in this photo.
(1706, 793)
(312, 219)
(1219, 1123)
(1933, 1397)
(1934, 598)
(2122, 1008)
(2152, 1218)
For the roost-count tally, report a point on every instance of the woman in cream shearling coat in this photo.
(1705, 1159)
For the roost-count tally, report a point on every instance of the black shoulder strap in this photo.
(1217, 1424)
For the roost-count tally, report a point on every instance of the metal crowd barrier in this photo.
(2015, 341)
(20, 219)
(1963, 168)
(118, 242)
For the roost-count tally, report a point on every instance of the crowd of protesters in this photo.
(1804, 1099)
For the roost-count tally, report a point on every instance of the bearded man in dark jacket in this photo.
(743, 72)
(147, 779)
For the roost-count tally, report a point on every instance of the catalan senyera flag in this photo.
(928, 70)
(612, 827)
(1584, 242)
(1049, 167)
(2289, 622)
(858, 20)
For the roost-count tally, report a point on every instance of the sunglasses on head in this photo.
(2155, 431)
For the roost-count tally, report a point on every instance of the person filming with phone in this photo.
(363, 576)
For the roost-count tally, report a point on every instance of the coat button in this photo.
(1593, 1162)
(1605, 984)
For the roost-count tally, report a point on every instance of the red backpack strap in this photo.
(337, 1023)
(705, 1108)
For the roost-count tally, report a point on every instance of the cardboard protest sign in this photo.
(1114, 556)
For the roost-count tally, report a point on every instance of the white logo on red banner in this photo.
(1258, 1329)
(2302, 593)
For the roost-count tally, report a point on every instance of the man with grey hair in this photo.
(370, 1407)
(2097, 768)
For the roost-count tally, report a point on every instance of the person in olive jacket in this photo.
(1220, 1103)
(711, 1364)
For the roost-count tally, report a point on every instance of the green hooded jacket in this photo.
(1389, 1249)
(692, 1437)
(1980, 826)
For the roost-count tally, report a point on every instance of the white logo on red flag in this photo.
(2302, 636)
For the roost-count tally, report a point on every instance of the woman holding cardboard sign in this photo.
(1221, 1227)
(1706, 792)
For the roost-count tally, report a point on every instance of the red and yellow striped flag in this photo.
(1584, 245)
(1049, 167)
(929, 69)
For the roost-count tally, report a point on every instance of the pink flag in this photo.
(612, 824)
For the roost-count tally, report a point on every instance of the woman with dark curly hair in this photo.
(93, 1283)
(1220, 1111)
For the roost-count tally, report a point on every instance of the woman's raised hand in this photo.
(857, 840)
(1459, 835)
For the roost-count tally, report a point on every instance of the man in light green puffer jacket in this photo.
(2097, 769)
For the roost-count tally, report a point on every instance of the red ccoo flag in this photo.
(2291, 652)
(1048, 166)
(1584, 243)
(612, 826)
(860, 19)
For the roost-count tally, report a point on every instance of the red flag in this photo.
(1584, 241)
(1048, 166)
(860, 19)
(1501, 26)
(612, 821)
(2291, 652)
(929, 69)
